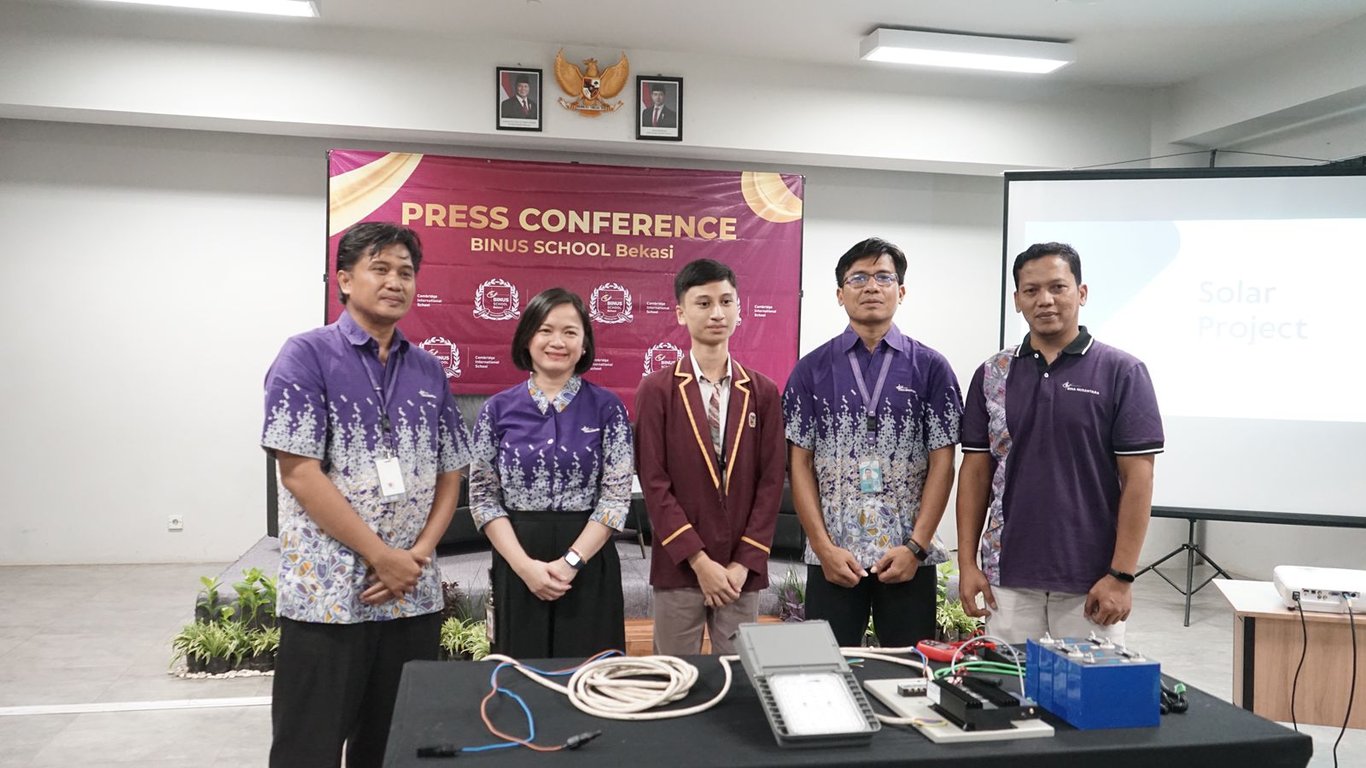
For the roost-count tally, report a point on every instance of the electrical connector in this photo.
(579, 739)
(916, 687)
(439, 750)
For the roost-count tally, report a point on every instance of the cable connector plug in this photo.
(579, 739)
(439, 750)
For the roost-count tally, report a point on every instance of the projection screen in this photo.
(1243, 291)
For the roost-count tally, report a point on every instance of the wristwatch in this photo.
(1127, 578)
(920, 552)
(573, 558)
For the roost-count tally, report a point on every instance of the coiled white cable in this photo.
(625, 687)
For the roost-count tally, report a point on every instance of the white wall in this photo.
(156, 273)
(73, 62)
(152, 276)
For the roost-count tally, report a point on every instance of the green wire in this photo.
(980, 666)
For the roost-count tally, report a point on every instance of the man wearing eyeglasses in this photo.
(872, 421)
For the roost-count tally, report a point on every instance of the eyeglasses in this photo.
(860, 279)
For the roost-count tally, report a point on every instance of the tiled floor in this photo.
(100, 635)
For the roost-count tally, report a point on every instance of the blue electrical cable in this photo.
(530, 719)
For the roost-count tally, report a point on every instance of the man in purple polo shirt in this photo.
(872, 420)
(1059, 436)
(370, 448)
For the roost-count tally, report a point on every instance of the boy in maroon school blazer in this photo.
(710, 453)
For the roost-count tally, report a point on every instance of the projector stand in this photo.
(1192, 550)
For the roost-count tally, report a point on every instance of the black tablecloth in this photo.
(438, 703)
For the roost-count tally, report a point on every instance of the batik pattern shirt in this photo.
(321, 402)
(917, 412)
(570, 453)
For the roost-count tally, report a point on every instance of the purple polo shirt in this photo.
(1053, 432)
(918, 412)
(569, 454)
(321, 402)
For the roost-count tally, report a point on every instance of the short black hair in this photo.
(1041, 250)
(874, 247)
(522, 79)
(701, 272)
(535, 314)
(371, 237)
(658, 88)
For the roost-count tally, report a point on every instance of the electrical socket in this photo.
(175, 523)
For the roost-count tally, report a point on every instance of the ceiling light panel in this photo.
(943, 49)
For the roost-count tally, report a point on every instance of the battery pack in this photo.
(1092, 683)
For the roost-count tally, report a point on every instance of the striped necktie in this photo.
(714, 414)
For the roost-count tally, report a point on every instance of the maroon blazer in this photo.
(692, 505)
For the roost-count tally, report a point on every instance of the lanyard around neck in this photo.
(385, 393)
(870, 403)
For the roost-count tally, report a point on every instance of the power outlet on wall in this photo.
(175, 523)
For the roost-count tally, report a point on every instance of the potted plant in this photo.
(791, 594)
(270, 596)
(255, 599)
(242, 635)
(248, 601)
(188, 644)
(464, 639)
(262, 644)
(464, 634)
(206, 605)
(214, 646)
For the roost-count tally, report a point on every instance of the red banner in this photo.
(495, 233)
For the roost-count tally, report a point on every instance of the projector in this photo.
(1325, 590)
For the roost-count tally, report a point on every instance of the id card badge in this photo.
(870, 476)
(390, 477)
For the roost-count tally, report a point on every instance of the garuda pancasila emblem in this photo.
(590, 88)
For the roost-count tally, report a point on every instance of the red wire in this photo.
(484, 714)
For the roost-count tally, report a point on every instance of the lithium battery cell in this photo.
(1094, 685)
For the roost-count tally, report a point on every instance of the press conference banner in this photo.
(495, 233)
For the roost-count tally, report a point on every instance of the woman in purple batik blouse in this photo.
(550, 483)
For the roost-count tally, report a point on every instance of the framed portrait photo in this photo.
(660, 100)
(519, 99)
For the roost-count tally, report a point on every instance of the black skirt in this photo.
(589, 618)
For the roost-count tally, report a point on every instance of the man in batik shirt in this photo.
(370, 448)
(872, 420)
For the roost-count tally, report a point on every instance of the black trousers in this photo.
(336, 683)
(903, 614)
(591, 617)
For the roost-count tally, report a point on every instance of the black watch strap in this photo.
(1127, 578)
(918, 551)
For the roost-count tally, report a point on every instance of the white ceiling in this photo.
(1122, 42)
(1119, 42)
(1278, 76)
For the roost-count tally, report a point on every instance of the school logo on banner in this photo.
(610, 304)
(497, 299)
(661, 356)
(446, 353)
